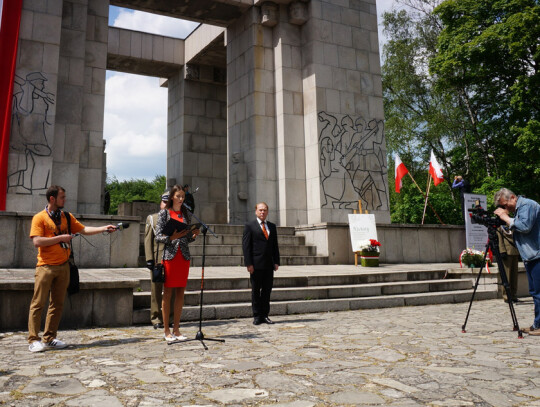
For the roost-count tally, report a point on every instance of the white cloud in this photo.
(135, 126)
(153, 23)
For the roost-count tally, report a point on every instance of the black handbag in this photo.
(158, 273)
(73, 287)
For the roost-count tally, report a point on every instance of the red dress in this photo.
(177, 269)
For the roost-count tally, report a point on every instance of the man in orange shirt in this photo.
(49, 233)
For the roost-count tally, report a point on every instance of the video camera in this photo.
(481, 216)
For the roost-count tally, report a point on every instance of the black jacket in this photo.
(258, 251)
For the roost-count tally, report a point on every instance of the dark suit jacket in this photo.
(258, 251)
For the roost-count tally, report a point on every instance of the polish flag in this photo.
(400, 172)
(435, 170)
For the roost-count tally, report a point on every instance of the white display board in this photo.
(476, 235)
(362, 227)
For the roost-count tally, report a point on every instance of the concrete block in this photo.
(76, 71)
(93, 107)
(26, 25)
(73, 43)
(136, 45)
(113, 307)
(51, 56)
(30, 57)
(157, 48)
(47, 28)
(96, 54)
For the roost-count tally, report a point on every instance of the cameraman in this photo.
(526, 227)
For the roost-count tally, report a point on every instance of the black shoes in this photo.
(265, 320)
(159, 325)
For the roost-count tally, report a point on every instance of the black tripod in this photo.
(200, 336)
(493, 244)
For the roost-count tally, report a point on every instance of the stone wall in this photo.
(399, 243)
(119, 249)
(57, 119)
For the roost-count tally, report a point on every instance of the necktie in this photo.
(264, 230)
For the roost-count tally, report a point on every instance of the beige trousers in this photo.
(51, 282)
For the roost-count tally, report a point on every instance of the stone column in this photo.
(343, 112)
(34, 106)
(68, 134)
(290, 118)
(251, 117)
(92, 165)
(197, 138)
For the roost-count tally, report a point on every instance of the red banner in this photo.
(9, 37)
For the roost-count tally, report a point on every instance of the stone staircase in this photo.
(369, 288)
(226, 249)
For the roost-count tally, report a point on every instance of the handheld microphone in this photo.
(122, 226)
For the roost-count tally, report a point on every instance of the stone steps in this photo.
(226, 249)
(212, 297)
(369, 288)
(243, 310)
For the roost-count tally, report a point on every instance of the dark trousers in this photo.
(262, 282)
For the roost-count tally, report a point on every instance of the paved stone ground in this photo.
(393, 357)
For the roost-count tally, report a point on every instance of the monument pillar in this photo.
(251, 121)
(197, 138)
(287, 39)
(30, 159)
(58, 105)
(343, 112)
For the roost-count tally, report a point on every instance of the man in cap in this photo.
(154, 252)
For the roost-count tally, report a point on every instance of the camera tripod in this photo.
(493, 244)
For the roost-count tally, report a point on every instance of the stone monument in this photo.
(268, 101)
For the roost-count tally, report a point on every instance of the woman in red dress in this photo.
(175, 260)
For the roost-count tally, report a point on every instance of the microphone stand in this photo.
(200, 336)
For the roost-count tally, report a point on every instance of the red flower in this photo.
(373, 242)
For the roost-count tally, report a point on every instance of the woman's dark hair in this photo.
(173, 192)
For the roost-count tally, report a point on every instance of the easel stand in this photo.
(359, 211)
(200, 336)
(493, 244)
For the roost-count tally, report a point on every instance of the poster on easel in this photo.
(362, 227)
(476, 234)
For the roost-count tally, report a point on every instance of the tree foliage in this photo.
(460, 77)
(133, 190)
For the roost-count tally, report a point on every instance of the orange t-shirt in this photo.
(44, 226)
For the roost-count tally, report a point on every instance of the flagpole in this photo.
(427, 196)
(429, 203)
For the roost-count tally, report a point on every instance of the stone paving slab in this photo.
(408, 356)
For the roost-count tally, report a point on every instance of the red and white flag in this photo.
(400, 172)
(435, 170)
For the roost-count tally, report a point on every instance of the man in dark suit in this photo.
(261, 257)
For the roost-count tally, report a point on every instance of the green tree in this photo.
(460, 78)
(488, 51)
(133, 190)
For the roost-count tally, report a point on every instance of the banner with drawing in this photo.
(362, 227)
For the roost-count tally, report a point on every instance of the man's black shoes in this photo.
(265, 320)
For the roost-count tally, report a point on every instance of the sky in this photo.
(135, 126)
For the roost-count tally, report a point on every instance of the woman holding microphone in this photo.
(175, 260)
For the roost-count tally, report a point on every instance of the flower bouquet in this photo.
(369, 253)
(472, 258)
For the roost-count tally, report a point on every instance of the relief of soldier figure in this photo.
(352, 162)
(30, 133)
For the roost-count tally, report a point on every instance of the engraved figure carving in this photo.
(30, 132)
(352, 162)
